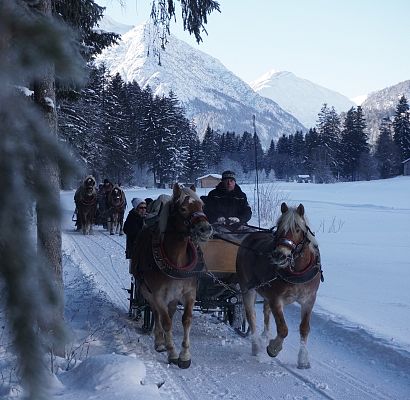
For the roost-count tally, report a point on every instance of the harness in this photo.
(164, 264)
(287, 274)
(192, 268)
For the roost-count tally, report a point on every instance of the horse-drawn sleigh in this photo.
(281, 265)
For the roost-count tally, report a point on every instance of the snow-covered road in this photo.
(347, 362)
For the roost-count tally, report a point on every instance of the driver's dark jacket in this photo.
(221, 203)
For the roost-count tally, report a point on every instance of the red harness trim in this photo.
(191, 250)
(311, 264)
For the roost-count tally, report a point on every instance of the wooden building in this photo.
(208, 181)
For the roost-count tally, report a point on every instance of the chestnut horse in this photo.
(116, 209)
(85, 199)
(283, 268)
(165, 264)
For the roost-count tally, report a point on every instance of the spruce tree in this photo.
(386, 151)
(269, 158)
(281, 163)
(329, 141)
(401, 127)
(210, 148)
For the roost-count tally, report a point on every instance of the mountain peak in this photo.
(300, 97)
(210, 93)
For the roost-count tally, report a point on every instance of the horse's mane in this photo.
(291, 220)
(163, 219)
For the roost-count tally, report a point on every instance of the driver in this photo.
(227, 203)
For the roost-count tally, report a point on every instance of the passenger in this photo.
(227, 204)
(103, 202)
(149, 202)
(134, 223)
(132, 227)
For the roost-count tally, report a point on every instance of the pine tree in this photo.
(311, 149)
(32, 48)
(210, 148)
(282, 162)
(269, 158)
(116, 150)
(386, 152)
(298, 152)
(329, 141)
(401, 127)
(246, 152)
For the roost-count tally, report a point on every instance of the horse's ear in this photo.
(193, 188)
(176, 190)
(301, 210)
(283, 208)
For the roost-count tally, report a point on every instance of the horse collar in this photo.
(168, 267)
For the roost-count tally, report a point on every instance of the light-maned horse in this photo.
(85, 199)
(283, 268)
(117, 203)
(164, 264)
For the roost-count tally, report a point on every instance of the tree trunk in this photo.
(48, 227)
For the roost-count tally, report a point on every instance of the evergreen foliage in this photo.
(386, 152)
(401, 127)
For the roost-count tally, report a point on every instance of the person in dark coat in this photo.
(134, 223)
(102, 199)
(132, 227)
(227, 204)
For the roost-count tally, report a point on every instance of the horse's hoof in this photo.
(304, 365)
(174, 361)
(184, 364)
(121, 233)
(273, 352)
(111, 233)
(160, 348)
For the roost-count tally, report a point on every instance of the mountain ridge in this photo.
(210, 93)
(284, 87)
(382, 104)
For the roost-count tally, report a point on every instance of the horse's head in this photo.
(189, 215)
(89, 185)
(292, 236)
(116, 196)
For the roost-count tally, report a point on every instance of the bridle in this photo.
(117, 201)
(296, 249)
(189, 222)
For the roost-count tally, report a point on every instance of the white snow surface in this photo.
(299, 97)
(359, 341)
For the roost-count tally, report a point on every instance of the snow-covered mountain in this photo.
(382, 104)
(209, 92)
(110, 25)
(298, 96)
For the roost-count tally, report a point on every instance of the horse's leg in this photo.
(83, 224)
(184, 360)
(159, 339)
(121, 225)
(166, 323)
(249, 298)
(109, 224)
(304, 329)
(266, 320)
(275, 345)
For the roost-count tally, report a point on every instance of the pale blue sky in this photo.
(351, 46)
